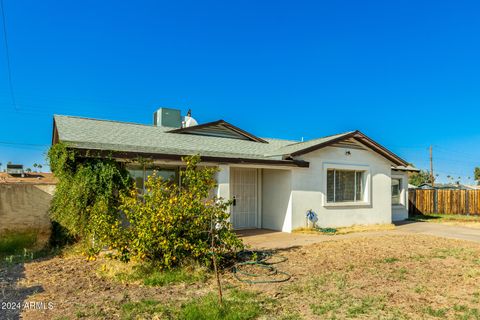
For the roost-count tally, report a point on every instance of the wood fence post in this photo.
(467, 209)
(435, 201)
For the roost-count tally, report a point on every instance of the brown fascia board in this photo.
(360, 137)
(219, 122)
(54, 133)
(323, 144)
(175, 157)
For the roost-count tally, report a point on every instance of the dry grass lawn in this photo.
(352, 229)
(381, 277)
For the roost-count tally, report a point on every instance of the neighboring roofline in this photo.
(360, 137)
(219, 122)
(163, 156)
(406, 169)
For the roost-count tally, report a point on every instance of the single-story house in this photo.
(345, 179)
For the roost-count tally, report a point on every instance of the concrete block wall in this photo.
(24, 207)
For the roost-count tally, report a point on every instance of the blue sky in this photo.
(406, 73)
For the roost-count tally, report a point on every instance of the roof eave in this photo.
(128, 155)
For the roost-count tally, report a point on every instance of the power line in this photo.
(7, 54)
(21, 145)
(24, 144)
(456, 152)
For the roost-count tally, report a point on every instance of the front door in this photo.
(244, 194)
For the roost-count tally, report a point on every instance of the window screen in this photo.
(345, 185)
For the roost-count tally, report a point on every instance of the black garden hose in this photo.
(263, 261)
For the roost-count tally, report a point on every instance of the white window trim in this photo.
(367, 194)
(403, 190)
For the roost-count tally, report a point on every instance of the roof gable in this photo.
(219, 128)
(312, 145)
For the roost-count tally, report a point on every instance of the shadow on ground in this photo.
(12, 295)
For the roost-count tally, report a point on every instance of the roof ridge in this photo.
(324, 137)
(107, 120)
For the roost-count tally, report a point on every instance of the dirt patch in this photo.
(392, 276)
(76, 290)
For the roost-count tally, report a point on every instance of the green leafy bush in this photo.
(173, 223)
(96, 201)
(86, 199)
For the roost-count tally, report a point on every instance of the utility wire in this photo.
(7, 54)
(18, 145)
(24, 144)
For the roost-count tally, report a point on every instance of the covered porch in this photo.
(261, 196)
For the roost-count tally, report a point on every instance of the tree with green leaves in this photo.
(476, 175)
(419, 178)
(170, 224)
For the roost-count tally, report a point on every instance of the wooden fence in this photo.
(443, 201)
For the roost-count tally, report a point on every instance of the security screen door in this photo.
(244, 194)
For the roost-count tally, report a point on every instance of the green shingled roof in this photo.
(96, 134)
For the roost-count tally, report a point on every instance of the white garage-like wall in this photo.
(309, 189)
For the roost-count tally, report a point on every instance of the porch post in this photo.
(223, 180)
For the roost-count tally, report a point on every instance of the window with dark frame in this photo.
(396, 190)
(345, 185)
(140, 175)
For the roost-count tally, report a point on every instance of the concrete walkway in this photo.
(440, 230)
(267, 239)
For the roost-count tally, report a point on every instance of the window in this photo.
(345, 185)
(140, 176)
(396, 190)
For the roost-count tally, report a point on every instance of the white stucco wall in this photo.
(276, 199)
(309, 189)
(400, 211)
